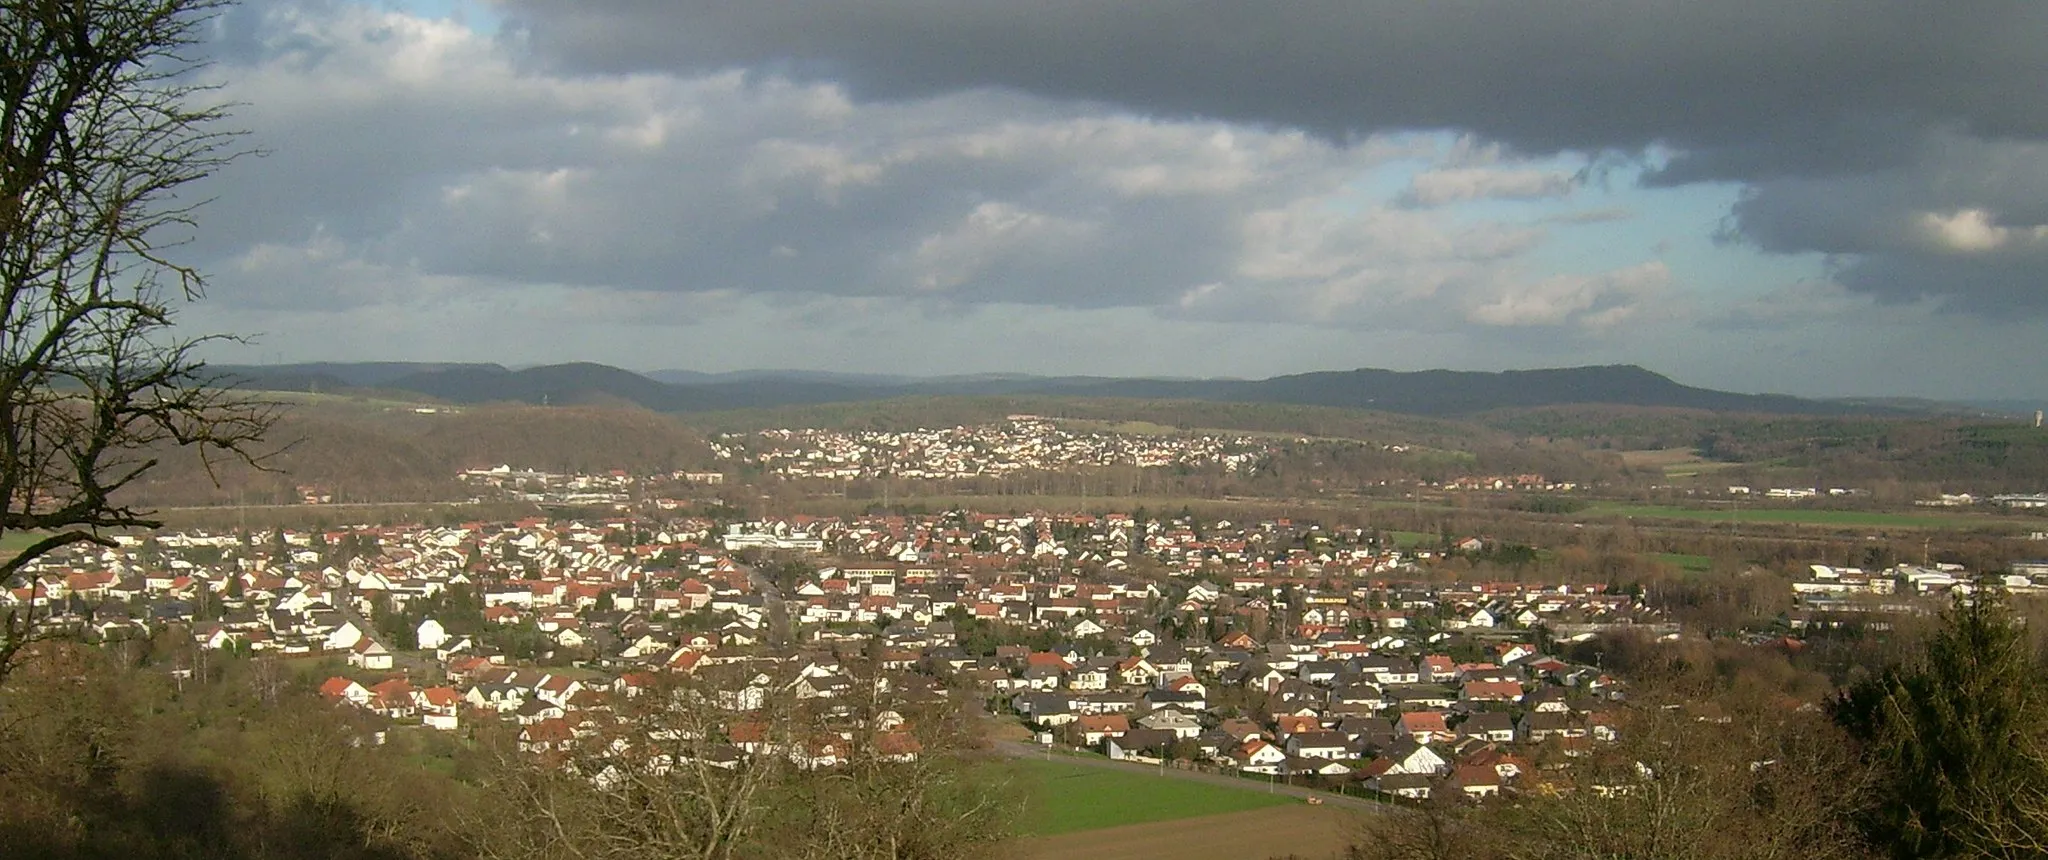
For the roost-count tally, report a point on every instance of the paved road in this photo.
(1016, 749)
(771, 601)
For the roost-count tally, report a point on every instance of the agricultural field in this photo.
(1068, 797)
(1673, 462)
(1293, 829)
(1795, 516)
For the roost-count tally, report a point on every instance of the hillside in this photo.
(1432, 393)
(391, 444)
(905, 413)
(368, 451)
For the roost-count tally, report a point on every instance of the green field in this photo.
(1793, 516)
(1685, 562)
(14, 542)
(1066, 797)
(1411, 540)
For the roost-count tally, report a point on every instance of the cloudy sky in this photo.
(1814, 198)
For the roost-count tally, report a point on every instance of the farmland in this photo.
(1673, 462)
(1796, 516)
(1297, 828)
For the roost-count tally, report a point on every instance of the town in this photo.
(540, 430)
(1276, 648)
(1022, 443)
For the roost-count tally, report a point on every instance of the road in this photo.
(1016, 749)
(771, 602)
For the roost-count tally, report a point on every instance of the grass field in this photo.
(1660, 458)
(1068, 798)
(14, 542)
(1411, 540)
(1685, 562)
(1795, 516)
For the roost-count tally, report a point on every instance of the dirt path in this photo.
(1315, 832)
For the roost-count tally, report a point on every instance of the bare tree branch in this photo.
(103, 125)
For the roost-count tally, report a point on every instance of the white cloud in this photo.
(1459, 184)
(1596, 301)
(1975, 231)
(824, 168)
(992, 235)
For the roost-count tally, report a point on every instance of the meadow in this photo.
(14, 542)
(1685, 561)
(1069, 797)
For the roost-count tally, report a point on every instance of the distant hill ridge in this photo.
(1428, 392)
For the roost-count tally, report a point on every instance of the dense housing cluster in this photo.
(1273, 647)
(1021, 444)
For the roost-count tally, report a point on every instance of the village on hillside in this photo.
(1020, 444)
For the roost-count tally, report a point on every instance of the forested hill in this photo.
(1431, 392)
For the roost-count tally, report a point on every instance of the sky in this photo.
(1810, 198)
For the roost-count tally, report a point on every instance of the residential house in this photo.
(1322, 744)
(431, 635)
(1178, 722)
(1413, 786)
(341, 689)
(1491, 726)
(1149, 745)
(1424, 726)
(1093, 728)
(370, 654)
(1476, 781)
(1257, 756)
(1408, 756)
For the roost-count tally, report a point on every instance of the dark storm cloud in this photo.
(1960, 223)
(1845, 120)
(1572, 74)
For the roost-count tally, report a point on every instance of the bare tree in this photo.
(722, 766)
(1436, 829)
(103, 131)
(901, 791)
(679, 770)
(1737, 779)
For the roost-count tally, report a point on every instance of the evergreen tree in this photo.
(1956, 738)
